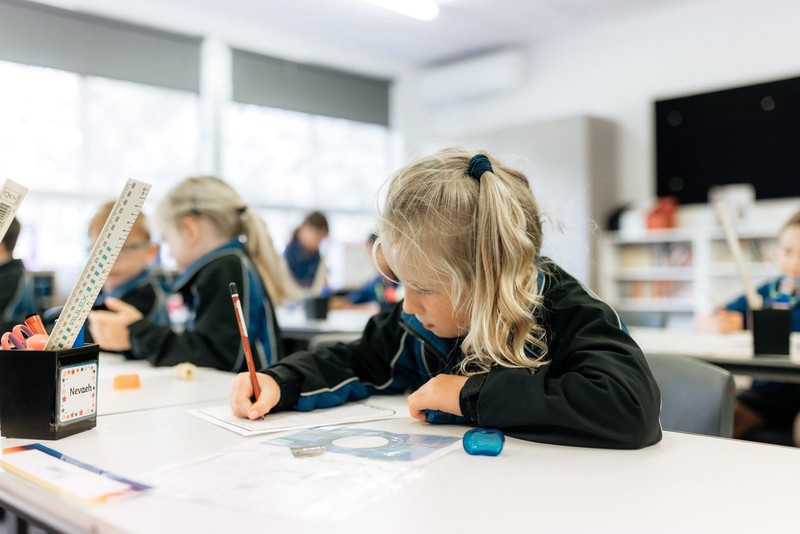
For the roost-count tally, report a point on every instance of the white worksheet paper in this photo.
(354, 412)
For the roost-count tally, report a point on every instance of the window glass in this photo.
(40, 129)
(352, 162)
(289, 163)
(136, 131)
(266, 156)
(73, 141)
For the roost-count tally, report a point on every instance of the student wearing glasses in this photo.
(130, 279)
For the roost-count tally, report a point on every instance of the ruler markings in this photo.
(11, 196)
(101, 259)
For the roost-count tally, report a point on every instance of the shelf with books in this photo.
(681, 271)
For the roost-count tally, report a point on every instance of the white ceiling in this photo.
(463, 28)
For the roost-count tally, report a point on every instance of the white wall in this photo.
(616, 71)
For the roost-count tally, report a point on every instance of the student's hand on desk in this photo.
(441, 393)
(722, 322)
(242, 395)
(110, 328)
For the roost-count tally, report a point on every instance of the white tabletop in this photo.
(294, 324)
(685, 483)
(159, 386)
(731, 351)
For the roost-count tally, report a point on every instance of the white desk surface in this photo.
(160, 386)
(686, 483)
(293, 322)
(732, 351)
(738, 345)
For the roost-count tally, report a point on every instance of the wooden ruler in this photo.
(101, 259)
(11, 197)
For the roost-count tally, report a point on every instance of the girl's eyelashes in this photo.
(420, 290)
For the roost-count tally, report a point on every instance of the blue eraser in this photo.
(483, 441)
(443, 418)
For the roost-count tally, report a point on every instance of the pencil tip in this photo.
(234, 291)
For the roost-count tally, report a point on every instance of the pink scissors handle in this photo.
(11, 341)
(22, 331)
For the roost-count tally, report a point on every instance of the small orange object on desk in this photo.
(130, 381)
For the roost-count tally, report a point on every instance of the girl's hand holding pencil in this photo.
(257, 399)
(242, 404)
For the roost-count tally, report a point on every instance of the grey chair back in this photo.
(696, 396)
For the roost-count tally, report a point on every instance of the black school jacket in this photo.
(597, 390)
(210, 336)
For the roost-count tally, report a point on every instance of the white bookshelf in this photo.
(679, 273)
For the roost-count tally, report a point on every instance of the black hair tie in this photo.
(478, 165)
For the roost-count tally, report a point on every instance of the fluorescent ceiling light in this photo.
(419, 9)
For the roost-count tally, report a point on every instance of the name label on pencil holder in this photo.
(77, 395)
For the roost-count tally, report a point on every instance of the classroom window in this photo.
(74, 140)
(284, 158)
(287, 163)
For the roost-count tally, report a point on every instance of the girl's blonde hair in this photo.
(480, 239)
(218, 202)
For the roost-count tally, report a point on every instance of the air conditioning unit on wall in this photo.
(473, 77)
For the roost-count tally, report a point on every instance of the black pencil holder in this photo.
(48, 394)
(771, 331)
(316, 307)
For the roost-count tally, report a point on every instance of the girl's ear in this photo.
(189, 229)
(152, 252)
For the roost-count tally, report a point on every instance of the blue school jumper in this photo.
(770, 293)
(302, 263)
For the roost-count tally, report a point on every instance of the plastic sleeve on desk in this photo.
(468, 398)
(289, 382)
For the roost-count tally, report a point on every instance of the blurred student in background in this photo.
(215, 239)
(130, 279)
(381, 291)
(17, 298)
(767, 411)
(303, 252)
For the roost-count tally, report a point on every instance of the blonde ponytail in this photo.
(505, 289)
(271, 265)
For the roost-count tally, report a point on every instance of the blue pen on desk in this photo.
(88, 467)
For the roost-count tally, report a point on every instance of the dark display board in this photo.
(743, 135)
